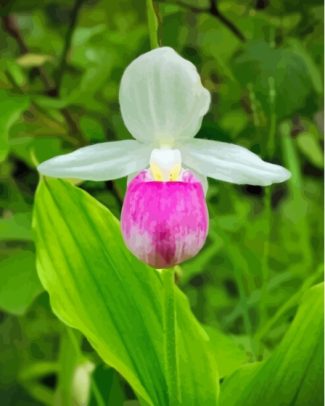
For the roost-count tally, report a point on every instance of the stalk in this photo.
(268, 206)
(152, 24)
(296, 190)
(170, 340)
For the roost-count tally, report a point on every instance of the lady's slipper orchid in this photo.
(164, 217)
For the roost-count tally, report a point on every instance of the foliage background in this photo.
(60, 67)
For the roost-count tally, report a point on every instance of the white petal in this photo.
(105, 161)
(162, 98)
(231, 163)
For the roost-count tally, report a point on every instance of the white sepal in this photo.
(105, 161)
(231, 163)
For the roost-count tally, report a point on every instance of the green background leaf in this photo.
(16, 227)
(19, 283)
(258, 62)
(227, 351)
(293, 375)
(11, 108)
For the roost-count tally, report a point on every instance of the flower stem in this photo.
(152, 24)
(170, 341)
(295, 185)
(265, 270)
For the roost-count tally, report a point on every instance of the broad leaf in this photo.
(98, 287)
(293, 375)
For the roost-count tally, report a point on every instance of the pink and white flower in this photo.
(164, 223)
(164, 217)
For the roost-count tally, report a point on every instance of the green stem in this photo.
(69, 356)
(240, 268)
(266, 252)
(253, 105)
(265, 269)
(245, 310)
(170, 342)
(296, 190)
(152, 24)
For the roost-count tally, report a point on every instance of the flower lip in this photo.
(164, 223)
(186, 177)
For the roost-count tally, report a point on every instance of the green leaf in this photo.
(311, 148)
(11, 108)
(229, 355)
(92, 129)
(97, 286)
(106, 388)
(19, 284)
(27, 148)
(15, 71)
(16, 227)
(259, 65)
(293, 375)
(313, 69)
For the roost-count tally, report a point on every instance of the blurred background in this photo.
(60, 68)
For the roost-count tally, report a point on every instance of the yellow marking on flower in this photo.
(165, 164)
(175, 172)
(156, 172)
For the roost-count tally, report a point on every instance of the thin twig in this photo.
(212, 10)
(10, 25)
(67, 43)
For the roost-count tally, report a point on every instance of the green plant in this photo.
(243, 324)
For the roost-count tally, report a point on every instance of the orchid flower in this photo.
(164, 218)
